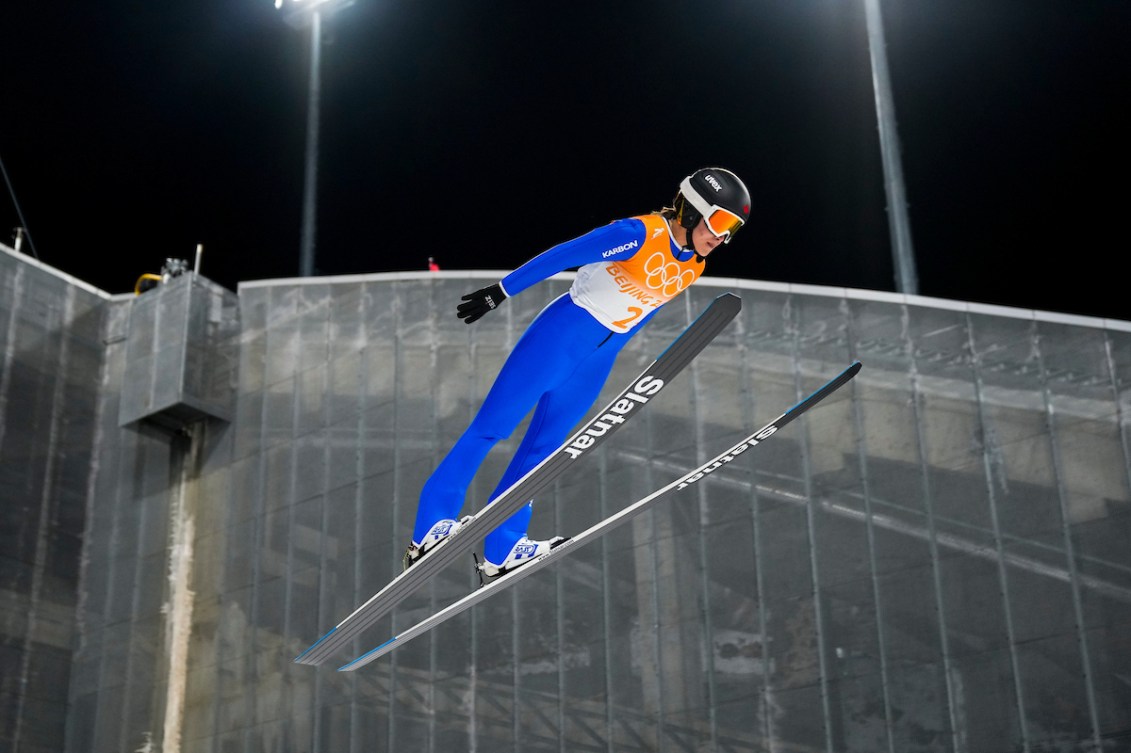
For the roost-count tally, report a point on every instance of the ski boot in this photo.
(438, 532)
(524, 551)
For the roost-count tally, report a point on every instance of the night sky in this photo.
(481, 132)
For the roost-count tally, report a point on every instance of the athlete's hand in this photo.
(480, 302)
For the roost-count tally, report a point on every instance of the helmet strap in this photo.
(688, 217)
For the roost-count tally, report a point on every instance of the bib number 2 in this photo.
(634, 314)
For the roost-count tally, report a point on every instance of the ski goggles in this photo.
(723, 223)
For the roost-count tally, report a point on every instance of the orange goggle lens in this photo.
(721, 222)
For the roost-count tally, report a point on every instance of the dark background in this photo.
(481, 132)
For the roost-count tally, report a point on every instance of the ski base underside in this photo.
(608, 524)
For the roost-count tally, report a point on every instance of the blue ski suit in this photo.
(627, 270)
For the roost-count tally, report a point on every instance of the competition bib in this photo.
(619, 294)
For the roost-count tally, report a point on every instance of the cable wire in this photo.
(19, 212)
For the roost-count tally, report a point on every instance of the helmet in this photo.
(716, 195)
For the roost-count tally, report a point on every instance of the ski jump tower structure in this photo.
(197, 482)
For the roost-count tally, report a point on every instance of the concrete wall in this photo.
(51, 364)
(937, 560)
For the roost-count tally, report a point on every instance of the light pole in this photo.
(308, 14)
(906, 276)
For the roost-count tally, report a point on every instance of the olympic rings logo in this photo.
(666, 277)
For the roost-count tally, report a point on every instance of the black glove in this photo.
(480, 302)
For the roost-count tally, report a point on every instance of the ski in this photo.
(606, 525)
(635, 396)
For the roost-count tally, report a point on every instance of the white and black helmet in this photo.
(716, 195)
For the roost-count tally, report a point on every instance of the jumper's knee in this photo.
(492, 428)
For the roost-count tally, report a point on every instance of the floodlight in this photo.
(299, 13)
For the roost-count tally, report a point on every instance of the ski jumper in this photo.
(627, 271)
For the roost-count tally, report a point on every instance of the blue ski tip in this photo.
(361, 659)
(298, 659)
